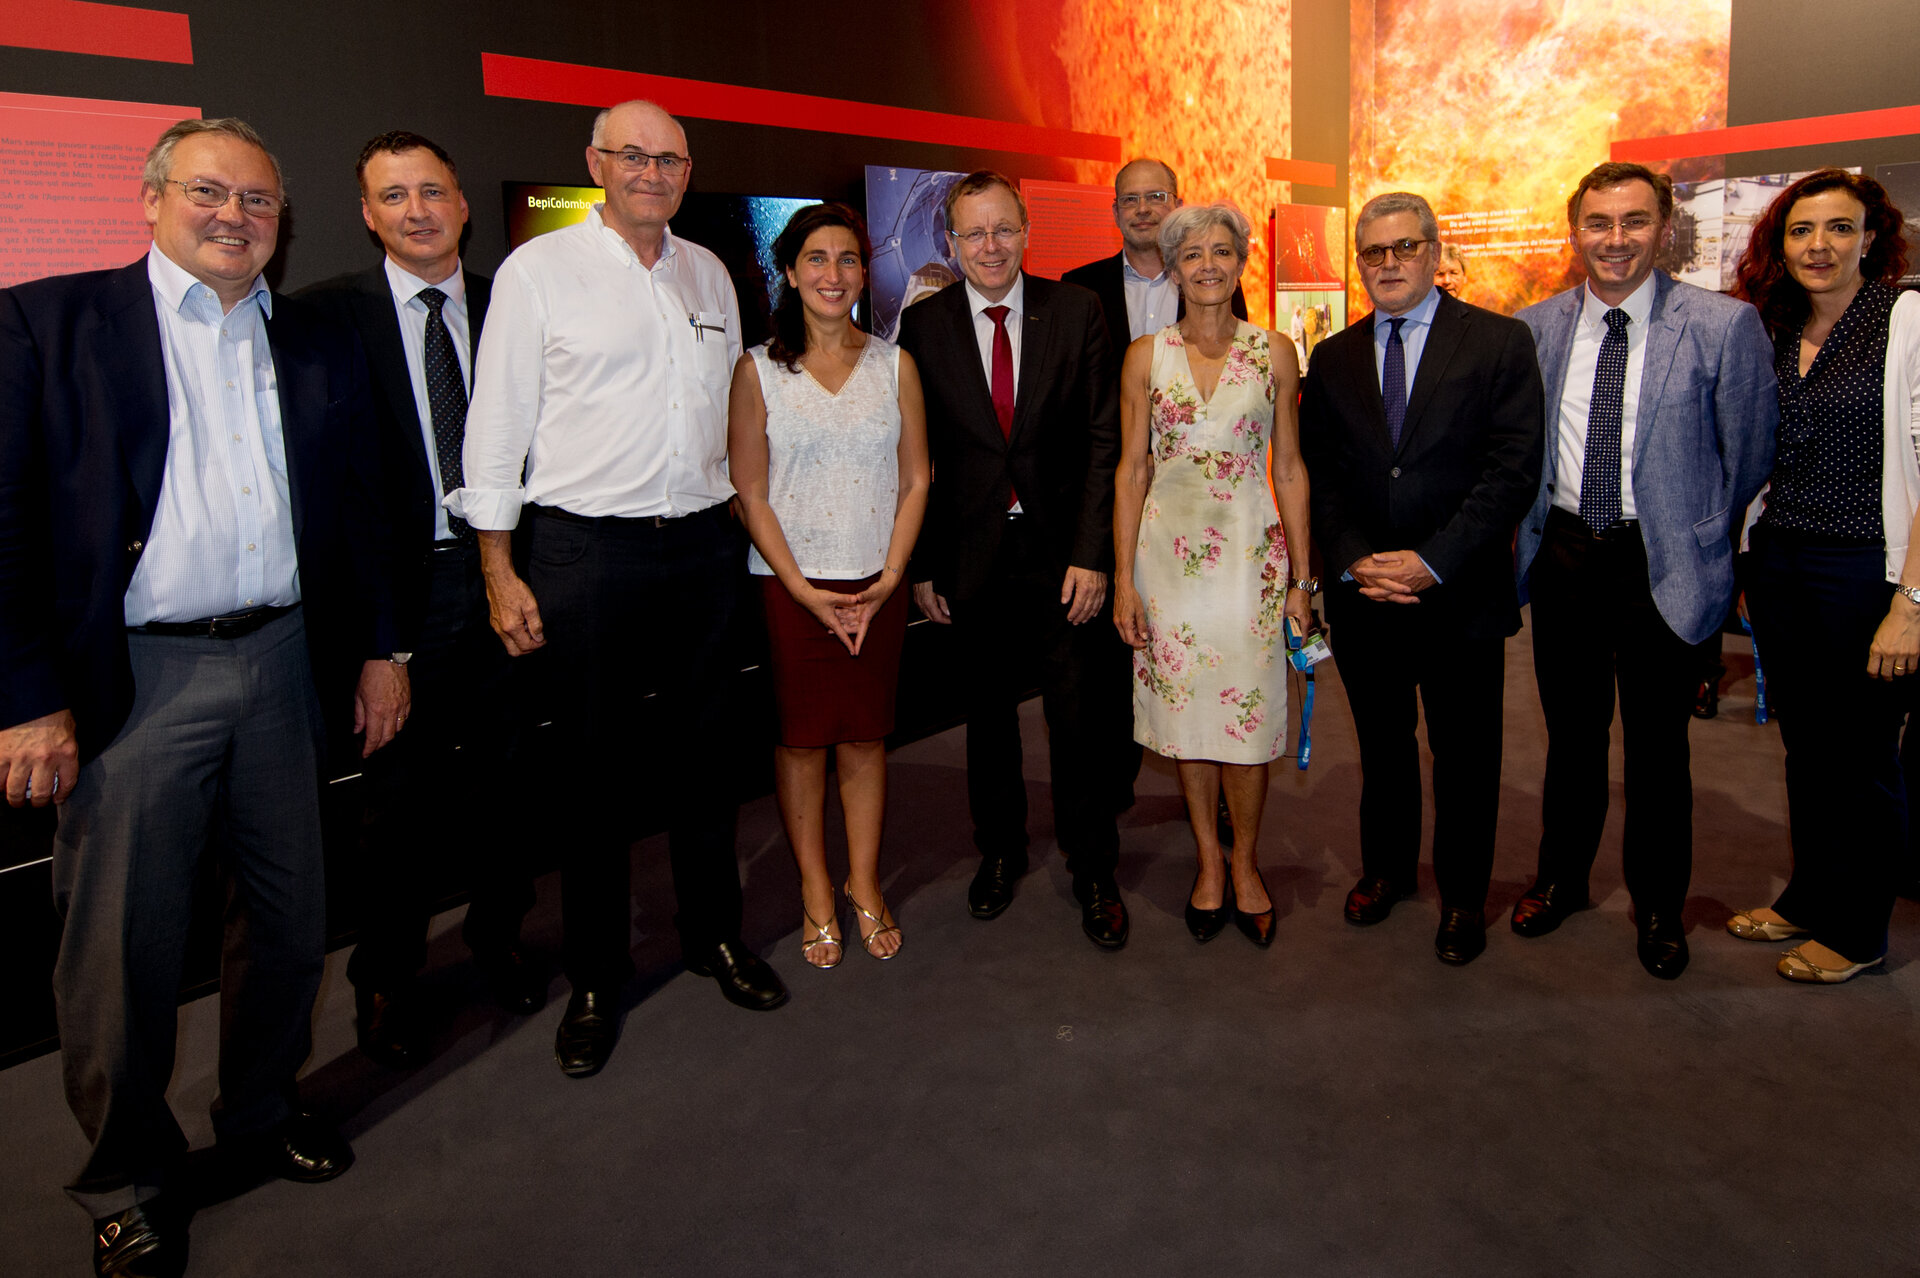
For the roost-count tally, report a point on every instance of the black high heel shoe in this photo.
(1206, 924)
(1258, 928)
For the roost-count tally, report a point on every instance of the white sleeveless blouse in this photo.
(833, 463)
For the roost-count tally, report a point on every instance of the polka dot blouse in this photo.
(1826, 474)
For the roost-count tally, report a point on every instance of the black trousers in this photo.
(1016, 635)
(633, 611)
(1595, 629)
(1814, 609)
(1393, 662)
(444, 792)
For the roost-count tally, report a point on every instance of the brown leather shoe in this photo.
(1372, 899)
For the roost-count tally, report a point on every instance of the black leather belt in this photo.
(230, 627)
(627, 521)
(1618, 530)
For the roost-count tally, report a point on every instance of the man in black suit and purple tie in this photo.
(1421, 425)
(418, 314)
(1023, 422)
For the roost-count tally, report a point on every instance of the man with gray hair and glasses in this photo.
(602, 378)
(193, 571)
(1421, 427)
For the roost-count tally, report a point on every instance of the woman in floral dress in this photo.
(1202, 582)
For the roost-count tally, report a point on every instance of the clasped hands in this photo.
(1391, 576)
(847, 616)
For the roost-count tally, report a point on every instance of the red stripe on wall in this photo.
(105, 30)
(1814, 130)
(1305, 172)
(506, 76)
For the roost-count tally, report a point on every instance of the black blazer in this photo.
(1104, 279)
(1454, 490)
(363, 301)
(1064, 445)
(83, 448)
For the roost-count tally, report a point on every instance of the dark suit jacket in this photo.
(83, 447)
(1104, 279)
(363, 301)
(1465, 471)
(1065, 440)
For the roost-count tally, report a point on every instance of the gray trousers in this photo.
(221, 750)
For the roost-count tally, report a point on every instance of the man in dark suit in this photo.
(1661, 419)
(190, 550)
(1023, 423)
(1137, 296)
(419, 315)
(1421, 428)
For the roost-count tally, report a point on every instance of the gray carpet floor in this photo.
(1004, 1099)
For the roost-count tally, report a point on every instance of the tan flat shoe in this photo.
(1796, 966)
(1749, 928)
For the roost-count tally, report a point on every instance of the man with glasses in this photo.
(1420, 425)
(418, 312)
(1022, 418)
(1660, 424)
(1136, 294)
(193, 572)
(602, 378)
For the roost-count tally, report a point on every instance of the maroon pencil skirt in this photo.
(823, 694)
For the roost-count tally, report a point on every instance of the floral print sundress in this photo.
(1211, 563)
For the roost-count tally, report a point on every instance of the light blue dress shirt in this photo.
(222, 539)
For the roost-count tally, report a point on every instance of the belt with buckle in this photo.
(228, 627)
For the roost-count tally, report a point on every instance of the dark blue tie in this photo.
(446, 401)
(1600, 469)
(1393, 382)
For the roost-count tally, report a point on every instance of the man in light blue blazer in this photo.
(1660, 417)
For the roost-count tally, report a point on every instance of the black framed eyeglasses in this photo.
(633, 160)
(211, 195)
(1403, 251)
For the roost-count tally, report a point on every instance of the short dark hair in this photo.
(1605, 177)
(1762, 277)
(974, 183)
(393, 143)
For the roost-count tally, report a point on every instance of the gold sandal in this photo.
(821, 937)
(879, 928)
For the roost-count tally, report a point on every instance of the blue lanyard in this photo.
(1759, 676)
(1306, 722)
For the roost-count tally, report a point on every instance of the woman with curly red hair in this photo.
(1832, 576)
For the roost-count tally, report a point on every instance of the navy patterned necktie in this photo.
(446, 401)
(1600, 470)
(1393, 382)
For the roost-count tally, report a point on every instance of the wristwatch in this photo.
(1911, 592)
(400, 658)
(1312, 585)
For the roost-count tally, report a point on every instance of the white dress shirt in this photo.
(222, 538)
(413, 336)
(1016, 303)
(1570, 443)
(607, 379)
(1152, 303)
(1413, 337)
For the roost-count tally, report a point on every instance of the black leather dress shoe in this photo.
(744, 976)
(516, 986)
(1103, 915)
(1372, 899)
(388, 1027)
(305, 1148)
(991, 891)
(1462, 935)
(145, 1241)
(1205, 924)
(1662, 946)
(1545, 906)
(587, 1032)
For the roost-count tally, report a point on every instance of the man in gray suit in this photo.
(1661, 411)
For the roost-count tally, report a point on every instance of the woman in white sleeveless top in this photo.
(827, 447)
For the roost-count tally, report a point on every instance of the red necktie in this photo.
(1002, 376)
